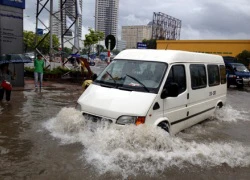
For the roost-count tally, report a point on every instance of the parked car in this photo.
(31, 55)
(237, 74)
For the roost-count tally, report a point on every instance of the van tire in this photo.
(228, 85)
(219, 105)
(164, 125)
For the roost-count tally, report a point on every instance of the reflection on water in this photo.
(131, 150)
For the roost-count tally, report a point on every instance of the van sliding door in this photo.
(175, 108)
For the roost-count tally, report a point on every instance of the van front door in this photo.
(175, 108)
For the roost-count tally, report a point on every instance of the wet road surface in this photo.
(42, 136)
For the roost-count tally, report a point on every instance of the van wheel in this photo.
(164, 126)
(228, 85)
(219, 105)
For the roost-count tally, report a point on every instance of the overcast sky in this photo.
(201, 19)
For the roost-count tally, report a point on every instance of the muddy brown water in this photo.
(43, 137)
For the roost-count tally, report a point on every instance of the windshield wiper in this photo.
(106, 85)
(138, 82)
(112, 78)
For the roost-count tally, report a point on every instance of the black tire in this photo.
(220, 105)
(164, 126)
(228, 85)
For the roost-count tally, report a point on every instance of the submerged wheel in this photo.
(219, 105)
(164, 126)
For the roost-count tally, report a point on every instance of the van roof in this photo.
(168, 56)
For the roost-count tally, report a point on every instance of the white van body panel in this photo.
(113, 103)
(188, 108)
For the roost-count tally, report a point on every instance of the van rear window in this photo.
(213, 75)
(198, 76)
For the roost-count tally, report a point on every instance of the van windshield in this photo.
(133, 75)
(240, 68)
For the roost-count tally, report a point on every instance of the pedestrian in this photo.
(5, 82)
(38, 71)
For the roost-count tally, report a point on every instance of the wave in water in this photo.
(131, 150)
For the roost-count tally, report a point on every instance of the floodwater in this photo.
(42, 136)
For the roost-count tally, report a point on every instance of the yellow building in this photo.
(219, 47)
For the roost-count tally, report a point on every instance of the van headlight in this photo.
(78, 107)
(130, 120)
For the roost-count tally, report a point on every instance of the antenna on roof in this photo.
(166, 47)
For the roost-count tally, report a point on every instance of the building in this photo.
(56, 26)
(121, 45)
(106, 16)
(69, 11)
(219, 47)
(134, 34)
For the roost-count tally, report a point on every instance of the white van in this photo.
(166, 88)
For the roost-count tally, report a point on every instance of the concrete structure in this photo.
(70, 12)
(219, 47)
(106, 16)
(121, 45)
(134, 34)
(11, 35)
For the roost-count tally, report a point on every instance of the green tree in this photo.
(28, 41)
(67, 50)
(99, 48)
(244, 57)
(151, 43)
(44, 46)
(92, 38)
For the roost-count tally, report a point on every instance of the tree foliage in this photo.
(92, 38)
(44, 47)
(151, 43)
(28, 41)
(244, 57)
(99, 48)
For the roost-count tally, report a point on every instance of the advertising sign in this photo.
(11, 31)
(141, 45)
(39, 31)
(14, 3)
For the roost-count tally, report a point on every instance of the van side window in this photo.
(198, 76)
(213, 75)
(177, 75)
(223, 77)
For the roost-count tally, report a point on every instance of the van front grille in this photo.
(93, 118)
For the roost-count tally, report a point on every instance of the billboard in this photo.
(14, 3)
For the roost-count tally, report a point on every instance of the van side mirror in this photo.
(171, 90)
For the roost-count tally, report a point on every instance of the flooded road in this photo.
(42, 136)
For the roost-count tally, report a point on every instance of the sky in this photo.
(201, 19)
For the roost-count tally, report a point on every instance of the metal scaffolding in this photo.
(46, 8)
(165, 27)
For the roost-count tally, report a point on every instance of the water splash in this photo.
(229, 114)
(132, 150)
